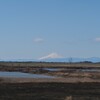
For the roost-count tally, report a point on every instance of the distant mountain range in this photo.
(92, 59)
(55, 57)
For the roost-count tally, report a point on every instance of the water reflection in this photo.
(72, 69)
(52, 69)
(23, 75)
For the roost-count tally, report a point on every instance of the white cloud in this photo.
(38, 40)
(97, 39)
(52, 55)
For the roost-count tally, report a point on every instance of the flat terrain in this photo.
(48, 64)
(45, 80)
(50, 91)
(70, 83)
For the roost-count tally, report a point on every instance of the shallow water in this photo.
(90, 70)
(23, 75)
(81, 70)
(52, 69)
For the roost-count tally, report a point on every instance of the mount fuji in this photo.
(54, 57)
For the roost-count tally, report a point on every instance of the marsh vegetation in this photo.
(71, 82)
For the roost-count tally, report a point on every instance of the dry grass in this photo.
(46, 64)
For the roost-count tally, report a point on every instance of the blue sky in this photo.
(30, 29)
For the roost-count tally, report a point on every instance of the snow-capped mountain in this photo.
(55, 57)
(92, 59)
(51, 56)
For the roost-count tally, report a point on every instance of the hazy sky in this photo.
(31, 29)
